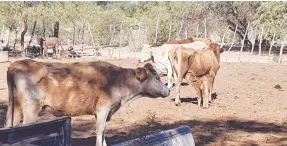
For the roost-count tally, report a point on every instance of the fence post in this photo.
(243, 42)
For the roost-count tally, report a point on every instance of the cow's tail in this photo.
(11, 104)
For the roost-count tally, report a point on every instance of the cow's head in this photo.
(151, 83)
(146, 54)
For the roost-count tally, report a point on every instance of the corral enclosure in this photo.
(250, 88)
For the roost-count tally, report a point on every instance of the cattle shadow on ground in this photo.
(194, 99)
(204, 132)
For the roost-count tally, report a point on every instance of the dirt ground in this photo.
(250, 109)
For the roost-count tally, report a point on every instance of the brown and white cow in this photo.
(93, 88)
(199, 67)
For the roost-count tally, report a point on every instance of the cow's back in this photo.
(51, 42)
(203, 62)
(72, 88)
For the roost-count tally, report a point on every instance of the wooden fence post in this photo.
(243, 42)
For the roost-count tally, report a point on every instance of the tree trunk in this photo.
(112, 31)
(260, 42)
(146, 35)
(205, 28)
(252, 43)
(242, 45)
(56, 29)
(23, 51)
(169, 32)
(93, 42)
(83, 36)
(44, 29)
(281, 51)
(138, 40)
(269, 53)
(15, 40)
(121, 35)
(181, 25)
(33, 32)
(197, 30)
(2, 33)
(156, 29)
(223, 37)
(185, 32)
(233, 38)
(74, 35)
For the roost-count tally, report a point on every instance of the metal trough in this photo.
(48, 133)
(180, 136)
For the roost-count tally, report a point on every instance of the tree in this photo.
(236, 13)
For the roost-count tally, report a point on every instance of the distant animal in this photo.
(51, 42)
(199, 67)
(93, 88)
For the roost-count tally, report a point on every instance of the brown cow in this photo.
(199, 67)
(93, 88)
(51, 42)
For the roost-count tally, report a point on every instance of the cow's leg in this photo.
(169, 76)
(101, 117)
(210, 84)
(45, 54)
(178, 84)
(205, 92)
(199, 98)
(31, 111)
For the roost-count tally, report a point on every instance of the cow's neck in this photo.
(129, 86)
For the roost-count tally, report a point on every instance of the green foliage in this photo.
(101, 16)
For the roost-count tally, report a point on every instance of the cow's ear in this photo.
(141, 74)
(148, 66)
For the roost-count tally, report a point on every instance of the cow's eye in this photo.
(157, 78)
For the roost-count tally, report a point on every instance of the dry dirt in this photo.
(250, 109)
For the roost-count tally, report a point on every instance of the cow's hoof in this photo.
(177, 104)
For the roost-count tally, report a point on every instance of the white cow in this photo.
(159, 55)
